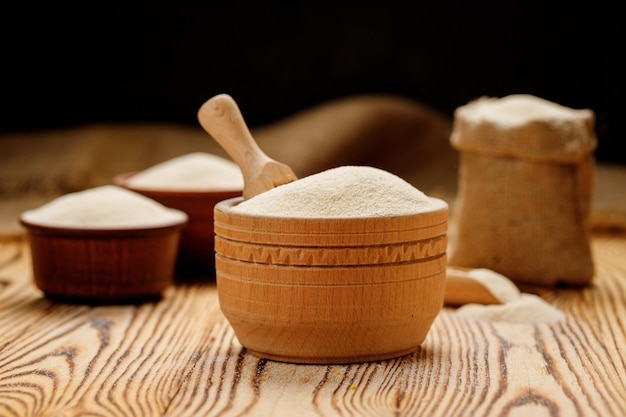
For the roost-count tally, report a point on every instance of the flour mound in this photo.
(196, 171)
(518, 109)
(107, 206)
(347, 191)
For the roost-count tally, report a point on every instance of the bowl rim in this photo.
(108, 231)
(432, 217)
(121, 180)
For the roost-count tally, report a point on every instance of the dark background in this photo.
(101, 63)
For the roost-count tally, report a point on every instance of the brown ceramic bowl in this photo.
(330, 290)
(103, 265)
(196, 255)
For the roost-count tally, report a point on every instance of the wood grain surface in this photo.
(179, 357)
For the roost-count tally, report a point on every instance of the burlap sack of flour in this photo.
(525, 187)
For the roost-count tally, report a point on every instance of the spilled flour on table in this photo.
(516, 307)
(528, 308)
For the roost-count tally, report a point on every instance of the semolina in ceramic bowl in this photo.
(196, 254)
(95, 263)
(169, 184)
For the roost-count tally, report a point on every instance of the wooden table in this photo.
(179, 357)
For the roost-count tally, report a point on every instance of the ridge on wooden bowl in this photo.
(196, 256)
(330, 290)
(103, 265)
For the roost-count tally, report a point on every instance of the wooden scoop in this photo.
(221, 118)
(462, 289)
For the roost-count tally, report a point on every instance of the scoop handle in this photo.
(221, 118)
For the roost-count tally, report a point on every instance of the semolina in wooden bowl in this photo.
(331, 290)
(99, 263)
(347, 265)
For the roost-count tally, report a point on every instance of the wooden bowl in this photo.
(196, 254)
(103, 265)
(330, 290)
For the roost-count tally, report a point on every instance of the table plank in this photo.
(179, 357)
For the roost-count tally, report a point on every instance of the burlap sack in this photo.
(525, 188)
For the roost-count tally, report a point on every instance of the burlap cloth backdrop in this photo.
(392, 133)
(400, 135)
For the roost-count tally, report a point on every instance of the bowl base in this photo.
(98, 300)
(322, 360)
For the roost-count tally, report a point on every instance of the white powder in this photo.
(498, 285)
(107, 206)
(516, 307)
(527, 308)
(347, 191)
(517, 109)
(196, 171)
